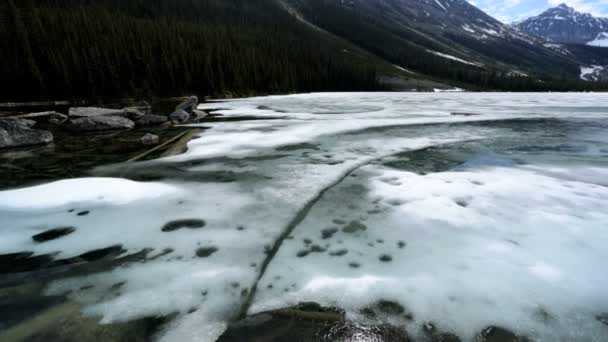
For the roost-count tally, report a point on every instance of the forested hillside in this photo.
(450, 40)
(116, 48)
(65, 49)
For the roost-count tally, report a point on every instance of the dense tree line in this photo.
(117, 48)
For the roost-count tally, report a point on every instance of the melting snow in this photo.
(495, 238)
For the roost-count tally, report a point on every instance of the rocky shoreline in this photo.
(66, 142)
(39, 128)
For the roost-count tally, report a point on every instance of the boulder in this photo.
(189, 105)
(27, 122)
(85, 112)
(180, 116)
(151, 120)
(51, 117)
(15, 133)
(102, 123)
(150, 139)
(132, 113)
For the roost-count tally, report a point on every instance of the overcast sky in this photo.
(512, 10)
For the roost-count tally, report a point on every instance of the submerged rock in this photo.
(338, 253)
(389, 307)
(53, 234)
(603, 318)
(205, 252)
(309, 322)
(16, 133)
(150, 139)
(328, 233)
(66, 323)
(497, 334)
(353, 227)
(102, 123)
(186, 223)
(385, 258)
(151, 120)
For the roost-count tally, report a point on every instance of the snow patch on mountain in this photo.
(454, 58)
(563, 24)
(591, 73)
(600, 41)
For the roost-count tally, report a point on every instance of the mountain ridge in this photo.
(565, 25)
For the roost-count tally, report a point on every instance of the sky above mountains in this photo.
(513, 10)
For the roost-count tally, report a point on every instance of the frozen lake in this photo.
(460, 222)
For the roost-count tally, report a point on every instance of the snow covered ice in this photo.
(347, 200)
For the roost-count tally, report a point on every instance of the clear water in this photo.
(345, 200)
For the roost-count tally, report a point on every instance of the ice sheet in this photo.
(248, 180)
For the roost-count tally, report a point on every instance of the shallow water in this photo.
(345, 200)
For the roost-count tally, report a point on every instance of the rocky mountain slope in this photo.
(443, 38)
(565, 25)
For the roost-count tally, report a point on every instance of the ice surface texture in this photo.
(350, 200)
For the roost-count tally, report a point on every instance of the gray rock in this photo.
(64, 322)
(498, 334)
(85, 112)
(27, 122)
(150, 139)
(131, 113)
(50, 117)
(189, 105)
(102, 123)
(134, 113)
(58, 119)
(152, 120)
(179, 116)
(15, 133)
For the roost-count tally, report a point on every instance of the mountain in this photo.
(565, 25)
(444, 38)
(140, 48)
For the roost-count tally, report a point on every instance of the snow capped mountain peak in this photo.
(563, 24)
